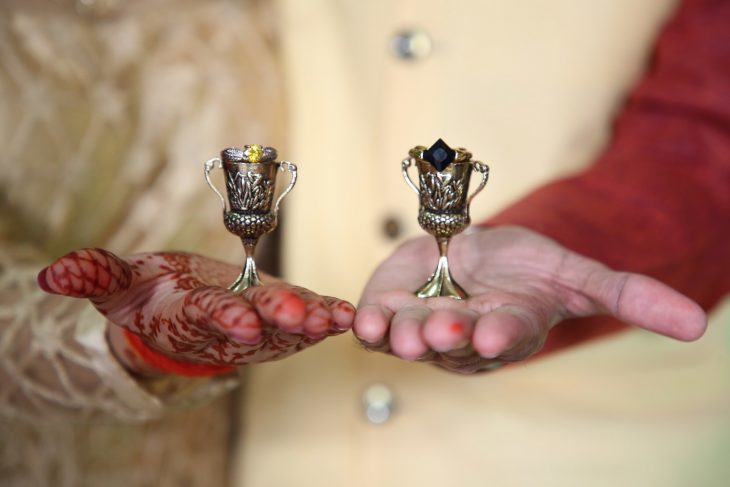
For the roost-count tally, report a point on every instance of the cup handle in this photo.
(292, 170)
(209, 166)
(483, 169)
(405, 165)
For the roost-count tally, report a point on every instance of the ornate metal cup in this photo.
(443, 175)
(250, 175)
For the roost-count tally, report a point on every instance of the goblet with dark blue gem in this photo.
(443, 177)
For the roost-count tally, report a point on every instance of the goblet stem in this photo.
(441, 283)
(248, 277)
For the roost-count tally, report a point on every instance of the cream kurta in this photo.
(531, 89)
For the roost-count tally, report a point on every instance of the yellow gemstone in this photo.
(255, 152)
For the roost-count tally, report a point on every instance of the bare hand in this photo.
(178, 304)
(520, 284)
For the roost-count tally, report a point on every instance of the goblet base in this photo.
(441, 284)
(249, 277)
(244, 281)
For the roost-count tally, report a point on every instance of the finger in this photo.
(222, 311)
(319, 318)
(406, 337)
(647, 303)
(372, 322)
(343, 313)
(86, 273)
(509, 332)
(279, 305)
(449, 329)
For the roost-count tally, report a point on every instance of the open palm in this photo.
(177, 303)
(520, 284)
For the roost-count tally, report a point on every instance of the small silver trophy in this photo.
(250, 175)
(443, 176)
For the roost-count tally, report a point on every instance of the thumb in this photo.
(86, 273)
(647, 303)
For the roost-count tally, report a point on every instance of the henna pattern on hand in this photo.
(177, 303)
(86, 273)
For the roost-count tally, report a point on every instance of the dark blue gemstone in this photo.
(439, 155)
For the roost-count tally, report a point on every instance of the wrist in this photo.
(127, 356)
(162, 387)
(143, 360)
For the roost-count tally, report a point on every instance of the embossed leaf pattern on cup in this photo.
(252, 192)
(441, 192)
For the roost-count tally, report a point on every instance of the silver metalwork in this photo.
(250, 210)
(444, 210)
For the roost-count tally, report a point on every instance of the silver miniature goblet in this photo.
(443, 176)
(250, 175)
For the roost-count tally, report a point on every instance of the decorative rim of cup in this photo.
(252, 153)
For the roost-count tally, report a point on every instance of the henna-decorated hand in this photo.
(177, 303)
(521, 284)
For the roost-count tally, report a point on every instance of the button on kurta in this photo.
(391, 227)
(411, 44)
(377, 401)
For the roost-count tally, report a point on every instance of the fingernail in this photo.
(43, 282)
(245, 338)
(369, 341)
(462, 344)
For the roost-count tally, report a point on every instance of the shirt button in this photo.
(377, 401)
(97, 8)
(391, 227)
(411, 44)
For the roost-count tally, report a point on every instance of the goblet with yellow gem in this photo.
(250, 175)
(443, 176)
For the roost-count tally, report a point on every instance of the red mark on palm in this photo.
(456, 328)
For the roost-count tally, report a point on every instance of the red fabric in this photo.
(167, 364)
(657, 201)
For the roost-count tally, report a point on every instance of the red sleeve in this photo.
(657, 201)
